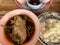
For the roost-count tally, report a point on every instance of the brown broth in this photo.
(30, 27)
(34, 2)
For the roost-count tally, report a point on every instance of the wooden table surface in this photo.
(8, 5)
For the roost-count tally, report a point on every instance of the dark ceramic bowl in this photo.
(43, 17)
